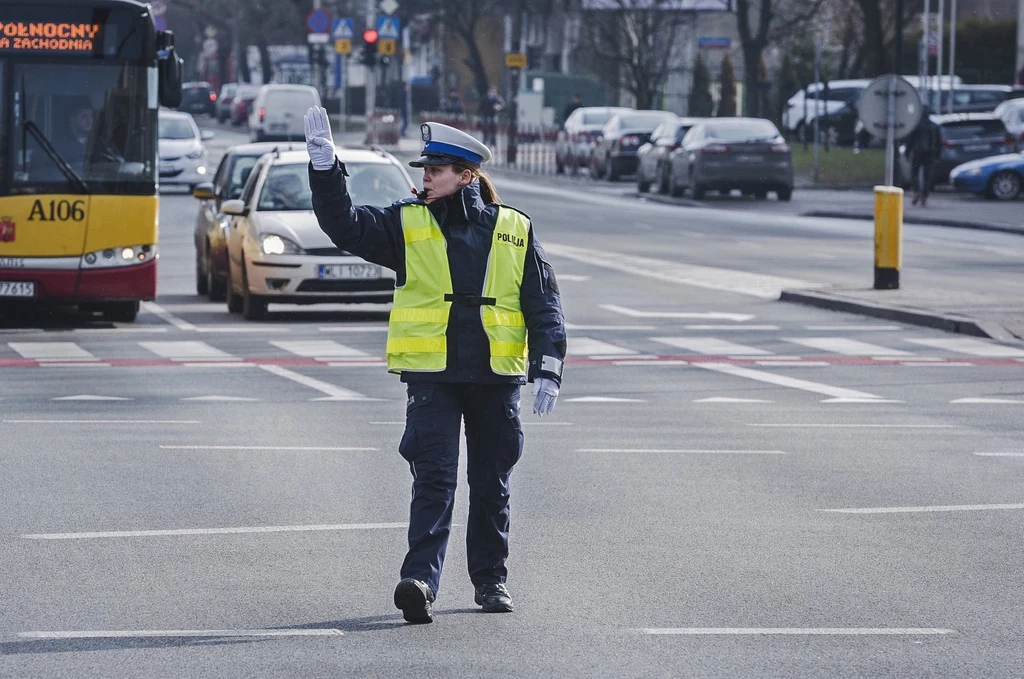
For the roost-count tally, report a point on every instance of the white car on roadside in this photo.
(277, 252)
(184, 159)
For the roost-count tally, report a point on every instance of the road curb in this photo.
(667, 200)
(892, 312)
(929, 221)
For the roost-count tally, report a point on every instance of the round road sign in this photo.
(874, 106)
(318, 21)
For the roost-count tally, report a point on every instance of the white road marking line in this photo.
(603, 399)
(660, 364)
(51, 350)
(845, 346)
(150, 633)
(334, 393)
(793, 364)
(706, 315)
(947, 364)
(214, 363)
(915, 510)
(238, 329)
(711, 346)
(177, 532)
(90, 397)
(165, 315)
(838, 425)
(861, 400)
(66, 364)
(358, 364)
(910, 359)
(187, 351)
(219, 398)
(681, 451)
(120, 329)
(992, 401)
(197, 308)
(1002, 454)
(730, 399)
(573, 326)
(295, 448)
(968, 345)
(321, 350)
(799, 631)
(731, 327)
(783, 381)
(573, 278)
(103, 421)
(740, 282)
(586, 346)
(353, 328)
(853, 327)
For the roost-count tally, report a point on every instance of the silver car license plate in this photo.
(17, 289)
(975, 148)
(348, 271)
(749, 159)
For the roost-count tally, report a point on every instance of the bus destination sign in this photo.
(47, 36)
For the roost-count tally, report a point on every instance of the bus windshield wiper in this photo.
(62, 164)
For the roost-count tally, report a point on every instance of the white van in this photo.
(278, 110)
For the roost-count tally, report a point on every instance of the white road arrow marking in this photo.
(706, 315)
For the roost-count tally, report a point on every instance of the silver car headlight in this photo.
(197, 154)
(272, 244)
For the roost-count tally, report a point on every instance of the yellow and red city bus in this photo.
(81, 82)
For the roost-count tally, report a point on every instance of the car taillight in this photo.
(213, 96)
(780, 148)
(1010, 139)
(630, 140)
(716, 148)
(263, 114)
(946, 143)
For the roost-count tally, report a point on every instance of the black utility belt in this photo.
(470, 300)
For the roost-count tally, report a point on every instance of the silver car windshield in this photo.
(287, 186)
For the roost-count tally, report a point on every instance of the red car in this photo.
(241, 107)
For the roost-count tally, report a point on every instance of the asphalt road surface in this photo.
(729, 486)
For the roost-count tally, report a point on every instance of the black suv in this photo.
(198, 98)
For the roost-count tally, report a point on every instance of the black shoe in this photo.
(414, 598)
(494, 597)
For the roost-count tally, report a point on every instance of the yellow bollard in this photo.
(888, 237)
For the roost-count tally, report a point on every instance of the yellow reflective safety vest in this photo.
(417, 330)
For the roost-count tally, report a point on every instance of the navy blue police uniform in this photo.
(467, 389)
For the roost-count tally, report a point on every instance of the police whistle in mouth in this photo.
(422, 195)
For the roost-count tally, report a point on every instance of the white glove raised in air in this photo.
(319, 141)
(546, 392)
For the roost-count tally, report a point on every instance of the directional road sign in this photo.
(389, 28)
(344, 29)
(318, 21)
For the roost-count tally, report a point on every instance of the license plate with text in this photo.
(17, 289)
(348, 271)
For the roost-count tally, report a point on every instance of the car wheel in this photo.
(674, 189)
(201, 277)
(214, 284)
(785, 194)
(613, 172)
(1005, 185)
(696, 190)
(641, 185)
(663, 180)
(254, 307)
(121, 312)
(233, 299)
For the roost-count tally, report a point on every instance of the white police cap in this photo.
(444, 145)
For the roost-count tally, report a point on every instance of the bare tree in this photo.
(632, 44)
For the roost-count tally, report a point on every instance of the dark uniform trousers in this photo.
(494, 443)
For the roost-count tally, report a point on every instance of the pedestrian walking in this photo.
(923, 147)
(488, 111)
(477, 314)
(577, 102)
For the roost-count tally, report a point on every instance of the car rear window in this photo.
(596, 118)
(742, 131)
(292, 99)
(175, 128)
(973, 130)
(287, 186)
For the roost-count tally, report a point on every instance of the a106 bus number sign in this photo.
(48, 36)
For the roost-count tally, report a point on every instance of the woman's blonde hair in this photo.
(487, 190)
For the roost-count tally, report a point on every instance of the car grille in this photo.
(327, 252)
(316, 285)
(170, 159)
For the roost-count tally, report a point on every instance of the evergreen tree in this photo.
(727, 96)
(702, 104)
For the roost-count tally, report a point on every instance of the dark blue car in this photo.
(999, 177)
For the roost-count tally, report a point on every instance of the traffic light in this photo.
(370, 38)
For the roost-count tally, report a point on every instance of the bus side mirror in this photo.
(171, 70)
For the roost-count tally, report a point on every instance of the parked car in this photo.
(963, 137)
(576, 139)
(278, 111)
(241, 106)
(225, 100)
(210, 235)
(615, 152)
(653, 157)
(277, 252)
(999, 177)
(183, 156)
(1011, 112)
(723, 154)
(198, 99)
(804, 106)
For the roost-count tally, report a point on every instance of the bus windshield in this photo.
(95, 119)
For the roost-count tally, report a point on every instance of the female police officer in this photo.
(476, 314)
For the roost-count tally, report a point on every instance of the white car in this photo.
(183, 156)
(277, 252)
(1011, 112)
(804, 106)
(278, 110)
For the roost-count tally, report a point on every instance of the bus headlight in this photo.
(117, 257)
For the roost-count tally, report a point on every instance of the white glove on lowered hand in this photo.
(546, 392)
(319, 141)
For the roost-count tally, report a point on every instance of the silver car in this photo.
(277, 252)
(183, 157)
